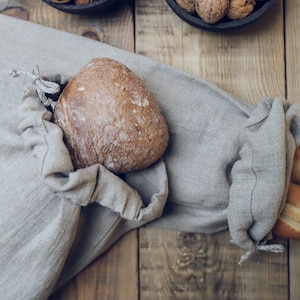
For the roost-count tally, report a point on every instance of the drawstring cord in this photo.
(42, 86)
(274, 248)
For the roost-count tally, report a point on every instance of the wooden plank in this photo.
(248, 63)
(179, 265)
(115, 274)
(292, 25)
(105, 27)
(294, 270)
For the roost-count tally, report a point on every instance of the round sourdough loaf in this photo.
(108, 116)
(288, 224)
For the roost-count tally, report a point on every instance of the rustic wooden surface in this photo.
(250, 63)
(292, 10)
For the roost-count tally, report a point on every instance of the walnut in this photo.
(211, 11)
(239, 9)
(187, 5)
(80, 2)
(60, 1)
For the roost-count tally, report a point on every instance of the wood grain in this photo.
(180, 265)
(294, 270)
(105, 27)
(183, 266)
(248, 63)
(292, 25)
(114, 275)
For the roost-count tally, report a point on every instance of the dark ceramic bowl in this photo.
(225, 24)
(94, 7)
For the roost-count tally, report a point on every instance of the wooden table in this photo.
(250, 63)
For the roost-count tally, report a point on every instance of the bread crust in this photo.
(295, 176)
(108, 116)
(288, 223)
(286, 228)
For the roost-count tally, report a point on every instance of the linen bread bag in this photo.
(228, 165)
(42, 196)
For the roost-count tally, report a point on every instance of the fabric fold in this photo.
(83, 186)
(54, 220)
(260, 177)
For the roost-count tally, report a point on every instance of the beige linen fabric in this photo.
(228, 165)
(41, 196)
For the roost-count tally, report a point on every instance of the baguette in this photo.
(295, 176)
(288, 223)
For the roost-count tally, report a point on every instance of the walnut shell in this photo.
(211, 11)
(108, 116)
(187, 5)
(239, 9)
(60, 1)
(82, 2)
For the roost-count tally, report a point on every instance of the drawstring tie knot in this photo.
(42, 86)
